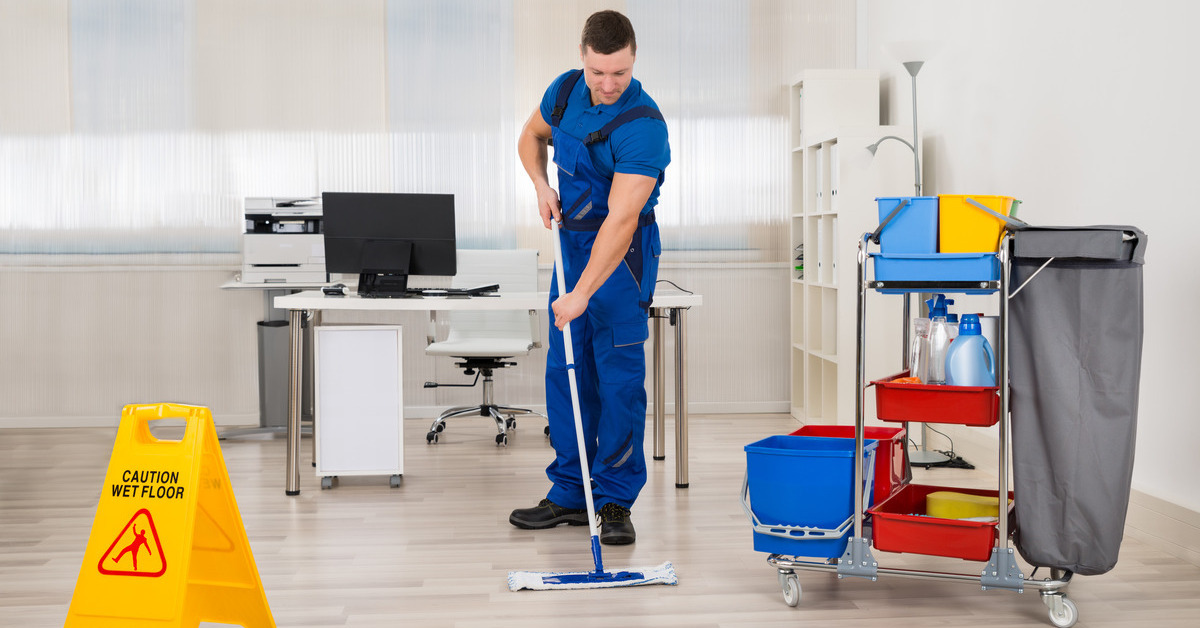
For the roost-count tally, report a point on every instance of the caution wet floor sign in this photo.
(167, 547)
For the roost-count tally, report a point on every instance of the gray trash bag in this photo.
(1075, 354)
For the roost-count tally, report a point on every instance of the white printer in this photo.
(283, 241)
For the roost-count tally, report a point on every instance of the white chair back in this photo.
(515, 270)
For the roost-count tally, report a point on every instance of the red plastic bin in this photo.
(930, 403)
(900, 525)
(890, 468)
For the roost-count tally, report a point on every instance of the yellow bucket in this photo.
(964, 228)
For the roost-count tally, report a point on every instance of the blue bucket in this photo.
(913, 230)
(804, 481)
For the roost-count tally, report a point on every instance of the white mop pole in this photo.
(569, 349)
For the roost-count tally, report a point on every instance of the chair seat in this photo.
(480, 347)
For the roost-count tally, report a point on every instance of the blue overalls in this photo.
(609, 337)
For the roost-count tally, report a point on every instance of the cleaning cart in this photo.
(900, 523)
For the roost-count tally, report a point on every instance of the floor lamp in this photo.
(923, 456)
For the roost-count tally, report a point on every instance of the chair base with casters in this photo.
(504, 416)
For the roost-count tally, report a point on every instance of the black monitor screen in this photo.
(384, 238)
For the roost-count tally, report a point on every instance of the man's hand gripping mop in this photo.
(598, 579)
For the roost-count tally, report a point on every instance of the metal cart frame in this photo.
(1001, 571)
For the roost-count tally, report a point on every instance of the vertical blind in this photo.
(180, 109)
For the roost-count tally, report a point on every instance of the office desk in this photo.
(666, 303)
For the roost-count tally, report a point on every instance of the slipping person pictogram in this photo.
(139, 542)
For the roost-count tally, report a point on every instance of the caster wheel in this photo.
(327, 482)
(440, 427)
(510, 424)
(547, 431)
(395, 481)
(501, 440)
(1067, 616)
(431, 437)
(791, 588)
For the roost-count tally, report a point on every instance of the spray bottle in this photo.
(939, 338)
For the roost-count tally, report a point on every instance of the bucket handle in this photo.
(890, 216)
(805, 533)
(1011, 221)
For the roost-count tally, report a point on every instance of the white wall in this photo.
(1086, 112)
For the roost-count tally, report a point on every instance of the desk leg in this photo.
(660, 403)
(295, 375)
(681, 416)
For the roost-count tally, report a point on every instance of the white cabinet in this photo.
(359, 401)
(834, 182)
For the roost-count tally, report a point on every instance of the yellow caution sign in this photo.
(168, 548)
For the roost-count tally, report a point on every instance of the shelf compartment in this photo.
(900, 525)
(932, 403)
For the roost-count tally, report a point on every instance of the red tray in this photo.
(929, 403)
(900, 525)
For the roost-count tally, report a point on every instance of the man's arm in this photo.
(626, 199)
(531, 148)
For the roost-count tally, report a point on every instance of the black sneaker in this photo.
(615, 527)
(547, 514)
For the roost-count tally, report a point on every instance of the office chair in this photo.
(484, 341)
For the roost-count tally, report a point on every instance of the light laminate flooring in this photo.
(436, 551)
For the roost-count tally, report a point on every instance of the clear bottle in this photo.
(939, 341)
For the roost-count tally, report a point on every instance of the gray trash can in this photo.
(1075, 353)
(274, 338)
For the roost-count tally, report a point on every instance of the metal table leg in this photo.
(295, 374)
(681, 417)
(660, 404)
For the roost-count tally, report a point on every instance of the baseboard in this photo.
(220, 420)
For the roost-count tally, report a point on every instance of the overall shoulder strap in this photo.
(645, 111)
(564, 93)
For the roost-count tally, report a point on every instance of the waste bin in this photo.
(1075, 352)
(274, 339)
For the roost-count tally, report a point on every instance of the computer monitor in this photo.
(384, 238)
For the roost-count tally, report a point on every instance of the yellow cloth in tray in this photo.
(952, 505)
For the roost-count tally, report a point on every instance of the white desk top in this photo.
(316, 300)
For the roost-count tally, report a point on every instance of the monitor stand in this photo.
(383, 286)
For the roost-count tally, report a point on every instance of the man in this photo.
(610, 147)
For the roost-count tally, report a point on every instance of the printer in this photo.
(283, 242)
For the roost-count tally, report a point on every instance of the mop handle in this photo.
(569, 350)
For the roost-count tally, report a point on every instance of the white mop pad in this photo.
(544, 580)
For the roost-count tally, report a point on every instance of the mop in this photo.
(598, 579)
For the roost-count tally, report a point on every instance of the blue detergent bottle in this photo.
(969, 360)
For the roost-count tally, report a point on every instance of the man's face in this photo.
(607, 76)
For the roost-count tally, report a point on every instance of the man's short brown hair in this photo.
(606, 32)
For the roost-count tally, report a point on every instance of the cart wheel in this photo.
(791, 588)
(1067, 616)
(395, 481)
(501, 440)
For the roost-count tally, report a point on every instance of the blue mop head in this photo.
(632, 577)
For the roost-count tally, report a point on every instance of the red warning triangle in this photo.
(135, 554)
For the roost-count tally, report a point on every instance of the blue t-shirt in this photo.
(636, 147)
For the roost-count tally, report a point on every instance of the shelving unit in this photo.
(834, 182)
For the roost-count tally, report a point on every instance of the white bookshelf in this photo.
(835, 179)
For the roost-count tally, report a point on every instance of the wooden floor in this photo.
(435, 552)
